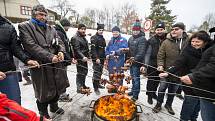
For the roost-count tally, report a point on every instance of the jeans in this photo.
(207, 110)
(10, 87)
(172, 88)
(135, 74)
(190, 109)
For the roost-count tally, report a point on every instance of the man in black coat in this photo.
(98, 45)
(81, 52)
(62, 27)
(153, 48)
(10, 46)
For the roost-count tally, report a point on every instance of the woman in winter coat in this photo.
(114, 51)
(187, 61)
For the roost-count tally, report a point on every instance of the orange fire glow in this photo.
(115, 108)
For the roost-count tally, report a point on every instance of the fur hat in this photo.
(39, 8)
(160, 25)
(80, 26)
(65, 22)
(100, 26)
(136, 26)
(179, 25)
(116, 28)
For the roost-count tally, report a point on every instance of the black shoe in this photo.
(97, 91)
(65, 98)
(150, 101)
(130, 93)
(55, 109)
(101, 87)
(157, 108)
(169, 109)
(44, 114)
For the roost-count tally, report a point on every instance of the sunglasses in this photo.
(41, 14)
(101, 30)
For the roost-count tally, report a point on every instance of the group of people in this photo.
(48, 51)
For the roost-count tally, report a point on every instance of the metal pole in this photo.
(5, 10)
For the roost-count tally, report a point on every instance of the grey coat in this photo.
(49, 80)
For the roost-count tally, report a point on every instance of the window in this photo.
(51, 18)
(25, 10)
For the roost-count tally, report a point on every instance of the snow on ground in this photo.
(78, 109)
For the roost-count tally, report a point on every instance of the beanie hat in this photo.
(212, 30)
(180, 25)
(80, 26)
(100, 26)
(39, 8)
(116, 28)
(65, 22)
(136, 26)
(160, 25)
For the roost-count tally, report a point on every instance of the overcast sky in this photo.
(191, 12)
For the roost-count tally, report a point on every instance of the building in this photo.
(20, 10)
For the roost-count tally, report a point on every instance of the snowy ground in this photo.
(78, 109)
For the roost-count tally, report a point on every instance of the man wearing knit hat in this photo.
(169, 51)
(81, 52)
(154, 45)
(137, 44)
(115, 49)
(98, 45)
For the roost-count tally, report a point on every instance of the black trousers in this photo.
(82, 70)
(97, 73)
(153, 81)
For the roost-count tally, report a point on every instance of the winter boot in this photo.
(55, 109)
(169, 109)
(157, 108)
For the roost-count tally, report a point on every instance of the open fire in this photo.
(115, 108)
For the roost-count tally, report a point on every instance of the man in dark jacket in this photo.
(62, 27)
(169, 51)
(42, 43)
(154, 45)
(137, 44)
(98, 45)
(203, 77)
(81, 52)
(9, 46)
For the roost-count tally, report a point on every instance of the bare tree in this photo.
(91, 14)
(100, 16)
(209, 22)
(129, 15)
(63, 7)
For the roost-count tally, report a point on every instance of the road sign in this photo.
(147, 25)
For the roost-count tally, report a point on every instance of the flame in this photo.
(115, 108)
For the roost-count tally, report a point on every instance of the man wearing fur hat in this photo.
(81, 52)
(98, 45)
(168, 52)
(43, 44)
(137, 44)
(154, 45)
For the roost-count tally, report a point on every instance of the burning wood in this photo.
(115, 108)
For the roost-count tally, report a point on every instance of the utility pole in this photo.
(5, 10)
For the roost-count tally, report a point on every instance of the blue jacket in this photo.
(114, 46)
